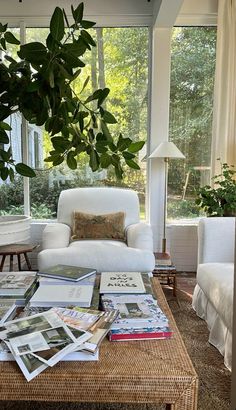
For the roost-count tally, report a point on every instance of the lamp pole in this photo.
(166, 161)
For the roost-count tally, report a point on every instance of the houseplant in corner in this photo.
(219, 200)
(39, 84)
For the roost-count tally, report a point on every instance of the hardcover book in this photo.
(133, 308)
(161, 332)
(16, 284)
(66, 272)
(62, 296)
(122, 282)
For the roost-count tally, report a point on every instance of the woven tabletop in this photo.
(149, 371)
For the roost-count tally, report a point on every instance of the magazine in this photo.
(99, 330)
(41, 340)
(78, 317)
(7, 309)
(122, 282)
(66, 272)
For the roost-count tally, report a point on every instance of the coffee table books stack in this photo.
(140, 317)
(77, 337)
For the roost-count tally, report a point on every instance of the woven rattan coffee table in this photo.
(157, 371)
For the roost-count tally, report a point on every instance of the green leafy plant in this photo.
(39, 84)
(221, 199)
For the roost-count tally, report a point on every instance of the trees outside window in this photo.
(191, 104)
(119, 62)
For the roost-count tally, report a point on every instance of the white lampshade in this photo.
(167, 149)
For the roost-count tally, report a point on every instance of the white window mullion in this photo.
(24, 133)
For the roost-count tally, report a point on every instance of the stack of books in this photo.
(63, 285)
(140, 317)
(18, 286)
(164, 265)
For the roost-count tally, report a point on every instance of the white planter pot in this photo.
(14, 229)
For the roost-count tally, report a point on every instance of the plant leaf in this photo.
(109, 118)
(34, 52)
(25, 170)
(10, 38)
(136, 146)
(57, 27)
(71, 161)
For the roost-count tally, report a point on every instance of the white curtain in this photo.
(224, 112)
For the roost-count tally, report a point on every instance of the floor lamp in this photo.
(166, 150)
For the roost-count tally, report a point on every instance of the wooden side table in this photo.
(165, 270)
(18, 250)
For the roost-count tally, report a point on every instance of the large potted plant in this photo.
(39, 85)
(219, 200)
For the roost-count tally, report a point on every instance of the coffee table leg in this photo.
(2, 262)
(11, 263)
(27, 261)
(19, 264)
(174, 285)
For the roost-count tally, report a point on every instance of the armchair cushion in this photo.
(106, 226)
(140, 236)
(56, 235)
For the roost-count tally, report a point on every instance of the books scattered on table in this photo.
(40, 340)
(122, 282)
(62, 295)
(66, 272)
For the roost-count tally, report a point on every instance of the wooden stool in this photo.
(16, 249)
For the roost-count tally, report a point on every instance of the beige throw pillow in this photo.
(107, 226)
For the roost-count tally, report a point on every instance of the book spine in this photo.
(139, 336)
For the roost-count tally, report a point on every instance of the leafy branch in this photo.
(221, 199)
(39, 85)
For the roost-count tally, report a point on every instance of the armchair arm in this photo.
(56, 235)
(140, 236)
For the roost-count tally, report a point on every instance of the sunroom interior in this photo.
(165, 64)
(156, 103)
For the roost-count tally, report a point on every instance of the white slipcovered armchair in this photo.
(136, 254)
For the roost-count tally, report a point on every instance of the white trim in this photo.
(209, 19)
(101, 21)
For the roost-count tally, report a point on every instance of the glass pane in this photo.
(11, 193)
(191, 103)
(119, 62)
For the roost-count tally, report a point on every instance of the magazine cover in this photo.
(78, 317)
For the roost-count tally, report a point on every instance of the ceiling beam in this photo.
(165, 12)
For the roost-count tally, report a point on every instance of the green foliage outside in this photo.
(191, 105)
(39, 83)
(219, 200)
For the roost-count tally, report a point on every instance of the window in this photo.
(119, 62)
(11, 194)
(191, 104)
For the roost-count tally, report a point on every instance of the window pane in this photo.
(191, 105)
(119, 62)
(11, 194)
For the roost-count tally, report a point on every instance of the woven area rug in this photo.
(214, 392)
